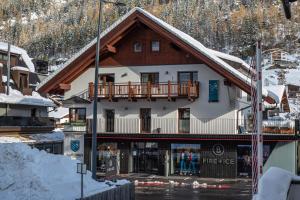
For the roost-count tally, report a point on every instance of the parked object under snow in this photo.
(275, 184)
(30, 174)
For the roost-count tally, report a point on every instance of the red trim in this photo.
(193, 139)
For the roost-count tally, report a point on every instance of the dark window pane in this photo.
(213, 91)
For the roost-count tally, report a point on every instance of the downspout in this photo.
(237, 117)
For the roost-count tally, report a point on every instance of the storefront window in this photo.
(185, 159)
(244, 159)
(106, 152)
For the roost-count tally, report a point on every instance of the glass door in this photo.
(145, 117)
(110, 121)
(184, 120)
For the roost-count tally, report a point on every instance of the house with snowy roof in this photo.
(23, 111)
(163, 97)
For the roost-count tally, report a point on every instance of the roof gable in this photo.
(85, 57)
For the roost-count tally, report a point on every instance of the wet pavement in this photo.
(190, 188)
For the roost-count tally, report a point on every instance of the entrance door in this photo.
(145, 117)
(110, 120)
(145, 157)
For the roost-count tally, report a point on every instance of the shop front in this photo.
(201, 158)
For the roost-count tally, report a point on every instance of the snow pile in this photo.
(16, 68)
(56, 136)
(59, 113)
(274, 184)
(19, 51)
(27, 173)
(16, 97)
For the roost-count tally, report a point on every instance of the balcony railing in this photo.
(74, 127)
(192, 126)
(18, 121)
(133, 91)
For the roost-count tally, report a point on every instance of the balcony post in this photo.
(129, 91)
(189, 90)
(110, 91)
(91, 90)
(149, 90)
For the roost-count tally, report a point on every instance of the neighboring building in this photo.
(293, 91)
(278, 58)
(167, 104)
(23, 111)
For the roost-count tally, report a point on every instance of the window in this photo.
(110, 121)
(77, 115)
(153, 78)
(137, 47)
(213, 91)
(106, 78)
(155, 46)
(184, 120)
(184, 77)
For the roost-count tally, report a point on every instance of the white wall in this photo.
(162, 108)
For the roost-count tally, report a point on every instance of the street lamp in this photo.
(94, 136)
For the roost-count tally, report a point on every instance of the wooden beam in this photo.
(111, 49)
(64, 86)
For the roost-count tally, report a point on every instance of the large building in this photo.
(166, 103)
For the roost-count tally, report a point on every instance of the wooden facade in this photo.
(168, 54)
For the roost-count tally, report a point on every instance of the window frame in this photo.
(155, 51)
(134, 47)
(210, 98)
(76, 114)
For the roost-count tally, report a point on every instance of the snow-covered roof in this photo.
(275, 92)
(16, 68)
(59, 113)
(21, 52)
(16, 97)
(231, 58)
(181, 35)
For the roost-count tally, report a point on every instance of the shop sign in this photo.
(218, 151)
(74, 145)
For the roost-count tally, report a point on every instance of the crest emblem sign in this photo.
(75, 145)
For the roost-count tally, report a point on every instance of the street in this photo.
(191, 188)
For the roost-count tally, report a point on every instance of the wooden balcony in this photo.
(134, 91)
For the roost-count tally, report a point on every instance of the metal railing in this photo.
(190, 126)
(19, 121)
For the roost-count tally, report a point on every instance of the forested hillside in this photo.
(50, 29)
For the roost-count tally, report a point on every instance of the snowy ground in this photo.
(30, 174)
(275, 184)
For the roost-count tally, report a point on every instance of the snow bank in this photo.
(274, 184)
(30, 174)
(56, 136)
